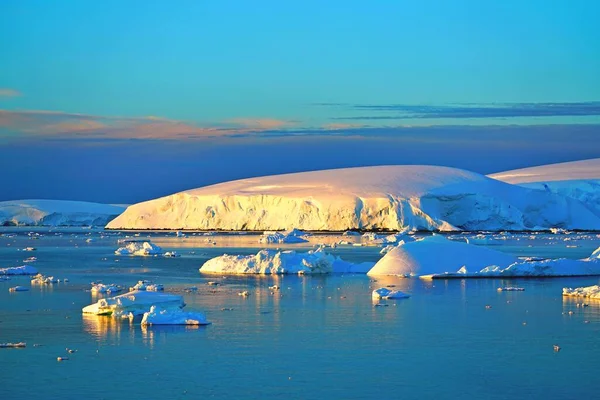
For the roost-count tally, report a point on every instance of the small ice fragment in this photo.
(245, 293)
(18, 289)
(385, 293)
(13, 345)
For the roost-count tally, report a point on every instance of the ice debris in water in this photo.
(171, 254)
(282, 262)
(593, 292)
(293, 236)
(18, 289)
(136, 302)
(385, 293)
(510, 289)
(22, 270)
(105, 288)
(158, 316)
(138, 248)
(13, 345)
(148, 286)
(40, 279)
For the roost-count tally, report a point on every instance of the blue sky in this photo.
(177, 80)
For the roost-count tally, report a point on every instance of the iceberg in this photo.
(57, 213)
(148, 286)
(136, 302)
(139, 248)
(40, 279)
(391, 198)
(293, 236)
(158, 316)
(282, 262)
(22, 270)
(592, 292)
(438, 255)
(108, 288)
(387, 294)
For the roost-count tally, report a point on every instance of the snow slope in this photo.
(56, 212)
(368, 198)
(578, 180)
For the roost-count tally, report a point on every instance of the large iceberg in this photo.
(578, 180)
(592, 292)
(57, 213)
(135, 302)
(282, 262)
(368, 198)
(438, 257)
(158, 316)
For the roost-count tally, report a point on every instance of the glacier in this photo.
(394, 198)
(57, 213)
(579, 180)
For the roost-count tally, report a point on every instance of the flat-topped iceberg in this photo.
(136, 302)
(57, 213)
(293, 236)
(139, 248)
(387, 294)
(282, 262)
(365, 198)
(592, 292)
(437, 255)
(158, 316)
(22, 270)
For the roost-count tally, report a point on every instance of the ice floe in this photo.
(593, 292)
(282, 262)
(22, 270)
(292, 236)
(105, 288)
(13, 345)
(139, 248)
(147, 286)
(159, 316)
(136, 302)
(385, 293)
(18, 289)
(40, 279)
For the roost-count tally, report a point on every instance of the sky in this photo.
(124, 101)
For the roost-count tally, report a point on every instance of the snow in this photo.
(158, 316)
(136, 302)
(578, 180)
(282, 262)
(139, 248)
(437, 255)
(22, 270)
(292, 236)
(57, 213)
(385, 293)
(593, 292)
(365, 198)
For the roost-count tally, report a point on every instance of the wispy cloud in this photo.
(32, 123)
(6, 92)
(465, 111)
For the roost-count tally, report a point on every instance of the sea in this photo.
(317, 337)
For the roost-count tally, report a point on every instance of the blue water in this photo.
(318, 337)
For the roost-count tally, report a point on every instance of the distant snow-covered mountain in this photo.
(368, 198)
(56, 213)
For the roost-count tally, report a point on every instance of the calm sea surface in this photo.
(318, 337)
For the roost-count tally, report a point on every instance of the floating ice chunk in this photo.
(385, 293)
(511, 289)
(136, 302)
(171, 254)
(282, 262)
(18, 289)
(40, 279)
(13, 345)
(592, 292)
(108, 288)
(30, 259)
(139, 248)
(245, 293)
(22, 270)
(148, 286)
(158, 316)
(29, 249)
(293, 236)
